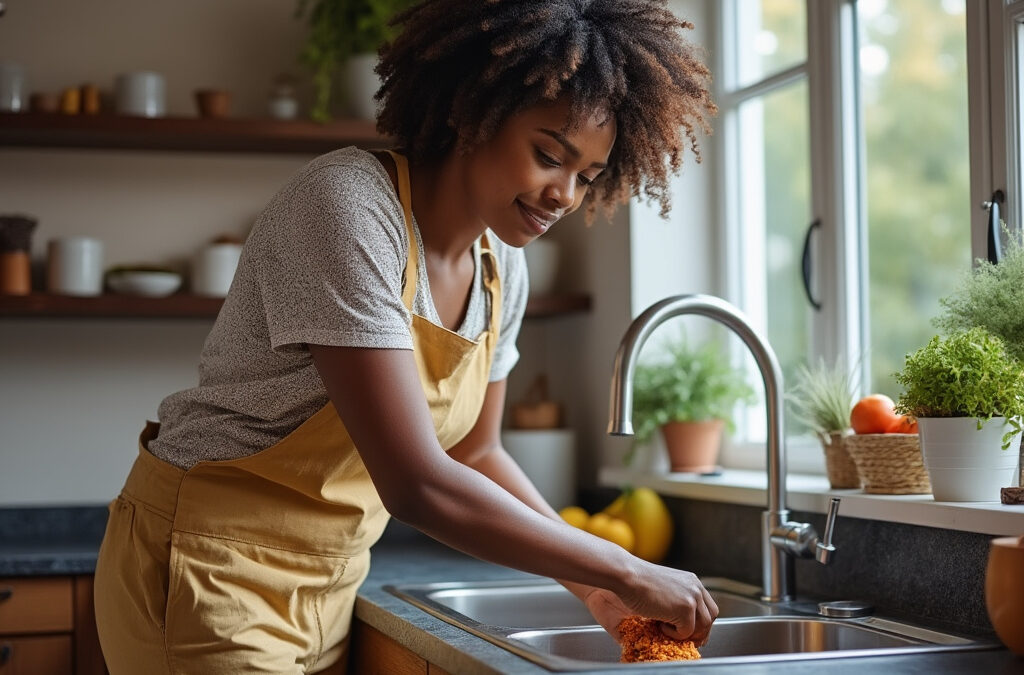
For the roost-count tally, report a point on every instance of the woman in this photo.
(357, 368)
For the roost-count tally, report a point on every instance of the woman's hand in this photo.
(675, 597)
(607, 609)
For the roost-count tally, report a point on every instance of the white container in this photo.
(541, 265)
(141, 94)
(214, 269)
(75, 266)
(548, 458)
(361, 84)
(966, 464)
(13, 90)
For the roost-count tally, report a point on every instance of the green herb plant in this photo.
(686, 384)
(991, 296)
(968, 374)
(337, 30)
(822, 397)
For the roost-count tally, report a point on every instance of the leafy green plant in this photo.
(822, 397)
(991, 296)
(968, 374)
(337, 30)
(687, 384)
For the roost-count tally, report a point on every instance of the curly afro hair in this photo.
(460, 68)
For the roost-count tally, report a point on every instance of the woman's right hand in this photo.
(675, 597)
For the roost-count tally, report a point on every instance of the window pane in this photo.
(775, 214)
(772, 36)
(913, 78)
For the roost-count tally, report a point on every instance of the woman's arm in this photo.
(378, 396)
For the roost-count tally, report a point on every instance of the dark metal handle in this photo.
(805, 264)
(6, 652)
(6, 593)
(995, 246)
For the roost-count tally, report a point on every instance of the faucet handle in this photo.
(824, 548)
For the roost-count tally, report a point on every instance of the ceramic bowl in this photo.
(1004, 591)
(150, 284)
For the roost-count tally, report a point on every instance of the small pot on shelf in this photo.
(693, 446)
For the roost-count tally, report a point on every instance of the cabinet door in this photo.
(88, 657)
(374, 653)
(35, 655)
(35, 605)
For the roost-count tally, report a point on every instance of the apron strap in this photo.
(492, 282)
(405, 196)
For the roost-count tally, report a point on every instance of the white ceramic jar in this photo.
(142, 94)
(214, 269)
(75, 266)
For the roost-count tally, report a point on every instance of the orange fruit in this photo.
(575, 516)
(905, 424)
(873, 414)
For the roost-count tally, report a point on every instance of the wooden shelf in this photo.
(184, 134)
(186, 306)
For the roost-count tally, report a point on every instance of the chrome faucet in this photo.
(780, 538)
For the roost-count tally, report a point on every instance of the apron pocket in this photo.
(242, 607)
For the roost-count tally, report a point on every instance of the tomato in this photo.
(873, 414)
(905, 424)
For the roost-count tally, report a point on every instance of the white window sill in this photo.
(812, 494)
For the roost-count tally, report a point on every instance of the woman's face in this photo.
(531, 174)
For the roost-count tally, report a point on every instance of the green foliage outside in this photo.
(686, 384)
(968, 374)
(991, 296)
(337, 30)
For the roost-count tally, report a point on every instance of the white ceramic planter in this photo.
(360, 85)
(966, 464)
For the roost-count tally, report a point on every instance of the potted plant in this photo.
(967, 393)
(991, 296)
(821, 400)
(689, 394)
(346, 33)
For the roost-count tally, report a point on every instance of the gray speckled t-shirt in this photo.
(323, 265)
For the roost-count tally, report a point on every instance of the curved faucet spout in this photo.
(776, 567)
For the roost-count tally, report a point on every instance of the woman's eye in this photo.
(547, 159)
(584, 181)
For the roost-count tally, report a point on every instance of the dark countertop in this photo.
(405, 556)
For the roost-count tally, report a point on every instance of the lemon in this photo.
(575, 516)
(616, 508)
(596, 523)
(611, 529)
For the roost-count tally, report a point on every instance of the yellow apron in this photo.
(252, 565)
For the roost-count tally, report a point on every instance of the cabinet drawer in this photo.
(35, 605)
(35, 655)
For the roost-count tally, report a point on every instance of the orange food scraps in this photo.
(642, 640)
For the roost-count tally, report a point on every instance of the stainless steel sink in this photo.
(541, 621)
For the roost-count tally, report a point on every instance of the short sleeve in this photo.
(515, 288)
(330, 260)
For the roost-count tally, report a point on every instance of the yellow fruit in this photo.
(614, 530)
(619, 532)
(575, 516)
(651, 523)
(616, 508)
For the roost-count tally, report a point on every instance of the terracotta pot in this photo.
(693, 446)
(1004, 591)
(213, 103)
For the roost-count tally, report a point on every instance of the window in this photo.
(847, 142)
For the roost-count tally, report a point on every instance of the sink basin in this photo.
(540, 603)
(539, 620)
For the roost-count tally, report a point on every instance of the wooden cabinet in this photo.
(47, 627)
(374, 653)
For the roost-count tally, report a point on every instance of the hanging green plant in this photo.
(337, 30)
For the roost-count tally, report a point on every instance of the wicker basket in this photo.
(889, 464)
(842, 471)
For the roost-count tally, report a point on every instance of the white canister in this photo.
(141, 93)
(13, 91)
(214, 269)
(548, 458)
(75, 266)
